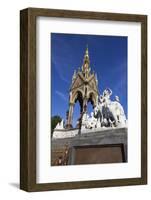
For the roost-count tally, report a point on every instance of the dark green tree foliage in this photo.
(54, 121)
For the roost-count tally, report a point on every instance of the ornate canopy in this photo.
(84, 88)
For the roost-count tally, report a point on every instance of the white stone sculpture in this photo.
(116, 110)
(98, 124)
(92, 121)
(106, 113)
(60, 125)
(89, 122)
(96, 109)
(84, 121)
(119, 112)
(106, 96)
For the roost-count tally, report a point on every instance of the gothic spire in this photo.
(86, 63)
(86, 56)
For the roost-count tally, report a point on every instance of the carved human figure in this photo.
(105, 102)
(85, 119)
(106, 96)
(92, 121)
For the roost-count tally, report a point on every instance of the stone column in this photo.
(85, 102)
(69, 121)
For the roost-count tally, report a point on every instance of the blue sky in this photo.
(108, 58)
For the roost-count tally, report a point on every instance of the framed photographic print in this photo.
(83, 99)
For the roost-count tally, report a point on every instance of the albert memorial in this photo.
(99, 136)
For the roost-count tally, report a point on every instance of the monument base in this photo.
(92, 147)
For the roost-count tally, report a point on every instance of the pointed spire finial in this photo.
(86, 56)
(87, 51)
(86, 63)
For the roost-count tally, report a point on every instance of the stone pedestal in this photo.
(106, 139)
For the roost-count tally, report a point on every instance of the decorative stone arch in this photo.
(92, 97)
(77, 94)
(79, 98)
(76, 97)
